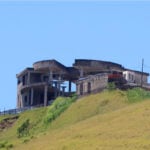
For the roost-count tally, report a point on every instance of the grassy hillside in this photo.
(108, 120)
(10, 135)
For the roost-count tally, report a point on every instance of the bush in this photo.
(58, 106)
(3, 144)
(6, 145)
(23, 130)
(137, 94)
(111, 86)
(9, 146)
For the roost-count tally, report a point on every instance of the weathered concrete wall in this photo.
(135, 77)
(96, 66)
(92, 83)
(35, 78)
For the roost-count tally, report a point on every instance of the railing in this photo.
(18, 110)
(32, 85)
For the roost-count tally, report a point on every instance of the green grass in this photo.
(137, 94)
(38, 122)
(10, 135)
(111, 120)
(57, 108)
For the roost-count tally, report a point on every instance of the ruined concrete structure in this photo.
(92, 84)
(44, 82)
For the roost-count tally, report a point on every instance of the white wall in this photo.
(134, 77)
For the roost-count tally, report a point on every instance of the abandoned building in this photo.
(49, 79)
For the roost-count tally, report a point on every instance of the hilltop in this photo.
(108, 120)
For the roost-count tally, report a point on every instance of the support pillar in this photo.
(63, 90)
(32, 96)
(59, 85)
(69, 89)
(19, 101)
(45, 95)
(58, 88)
(22, 102)
(28, 79)
(81, 73)
(55, 89)
(50, 77)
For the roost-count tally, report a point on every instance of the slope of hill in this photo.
(108, 120)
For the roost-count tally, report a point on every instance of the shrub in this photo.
(23, 130)
(5, 145)
(26, 140)
(111, 86)
(9, 146)
(57, 107)
(137, 94)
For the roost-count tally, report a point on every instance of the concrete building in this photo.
(92, 84)
(136, 77)
(42, 83)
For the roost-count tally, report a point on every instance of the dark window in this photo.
(89, 87)
(45, 78)
(23, 80)
(81, 89)
(19, 81)
(25, 99)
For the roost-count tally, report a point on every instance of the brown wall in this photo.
(92, 83)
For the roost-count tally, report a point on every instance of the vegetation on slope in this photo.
(137, 94)
(57, 107)
(31, 123)
(108, 120)
(123, 129)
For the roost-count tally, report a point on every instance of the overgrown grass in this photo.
(39, 121)
(137, 94)
(57, 107)
(100, 121)
(24, 128)
(70, 125)
(5, 145)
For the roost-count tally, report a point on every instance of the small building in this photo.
(136, 77)
(92, 84)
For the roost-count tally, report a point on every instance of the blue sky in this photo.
(31, 31)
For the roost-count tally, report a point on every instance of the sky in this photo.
(117, 31)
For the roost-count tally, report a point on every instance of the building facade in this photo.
(43, 83)
(92, 84)
(47, 79)
(135, 77)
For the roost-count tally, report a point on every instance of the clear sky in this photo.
(31, 31)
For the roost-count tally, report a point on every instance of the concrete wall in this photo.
(92, 83)
(135, 77)
(96, 66)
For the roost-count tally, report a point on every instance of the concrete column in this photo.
(28, 79)
(55, 89)
(58, 85)
(63, 90)
(81, 73)
(45, 95)
(77, 89)
(50, 76)
(69, 89)
(32, 96)
(18, 101)
(21, 100)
